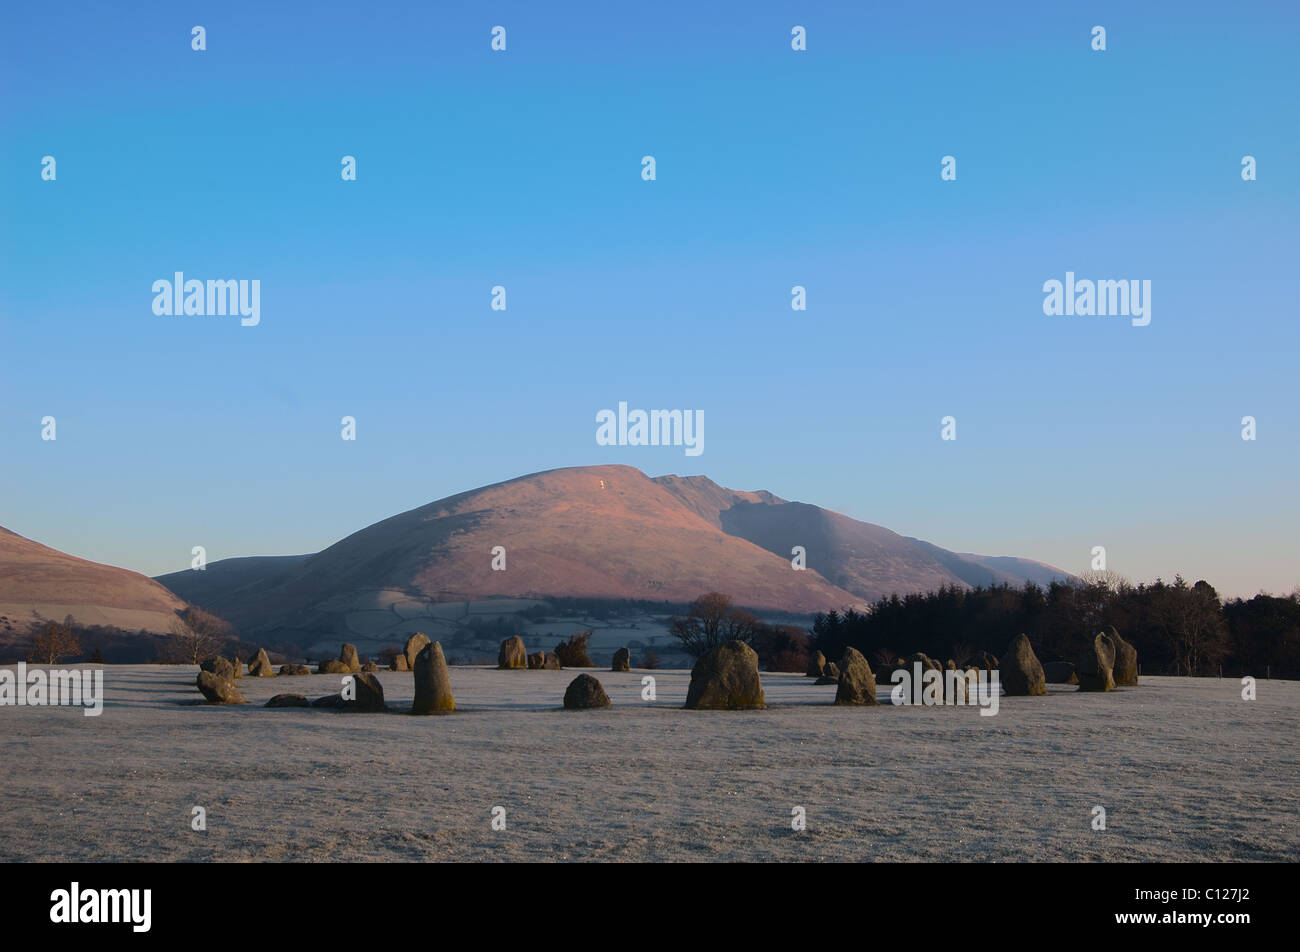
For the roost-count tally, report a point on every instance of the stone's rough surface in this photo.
(400, 663)
(293, 670)
(536, 660)
(622, 661)
(816, 665)
(1096, 666)
(1125, 671)
(857, 685)
(1020, 674)
(369, 694)
(220, 667)
(218, 690)
(260, 666)
(585, 692)
(1059, 672)
(288, 700)
(330, 666)
(552, 662)
(726, 678)
(432, 682)
(348, 657)
(414, 645)
(512, 654)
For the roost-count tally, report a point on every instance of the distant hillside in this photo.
(36, 580)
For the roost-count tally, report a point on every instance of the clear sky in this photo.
(775, 168)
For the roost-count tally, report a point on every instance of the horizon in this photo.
(522, 169)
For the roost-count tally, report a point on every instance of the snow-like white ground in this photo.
(1185, 769)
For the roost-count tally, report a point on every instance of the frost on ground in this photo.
(1185, 769)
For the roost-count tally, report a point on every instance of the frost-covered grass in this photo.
(1185, 769)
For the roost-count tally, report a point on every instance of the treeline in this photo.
(1177, 628)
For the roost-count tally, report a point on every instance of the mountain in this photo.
(597, 532)
(36, 580)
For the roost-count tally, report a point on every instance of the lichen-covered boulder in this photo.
(348, 657)
(1021, 674)
(330, 666)
(536, 661)
(218, 690)
(513, 654)
(857, 685)
(369, 694)
(551, 662)
(292, 670)
(432, 682)
(585, 692)
(288, 700)
(400, 663)
(220, 667)
(726, 678)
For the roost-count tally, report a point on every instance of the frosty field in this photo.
(1185, 769)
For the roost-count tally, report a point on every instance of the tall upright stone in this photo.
(432, 682)
(348, 658)
(857, 685)
(1125, 671)
(1021, 673)
(816, 665)
(1096, 666)
(622, 660)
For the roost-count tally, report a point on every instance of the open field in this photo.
(1185, 769)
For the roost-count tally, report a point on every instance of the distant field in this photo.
(1185, 769)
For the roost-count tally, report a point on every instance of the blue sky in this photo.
(775, 168)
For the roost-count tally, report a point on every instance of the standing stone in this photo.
(348, 658)
(622, 662)
(237, 666)
(260, 666)
(857, 685)
(816, 665)
(1126, 660)
(432, 682)
(536, 661)
(330, 666)
(585, 692)
(1096, 666)
(400, 663)
(513, 654)
(726, 678)
(551, 662)
(414, 645)
(956, 686)
(369, 694)
(218, 690)
(1021, 674)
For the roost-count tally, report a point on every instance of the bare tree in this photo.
(197, 636)
(52, 641)
(712, 621)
